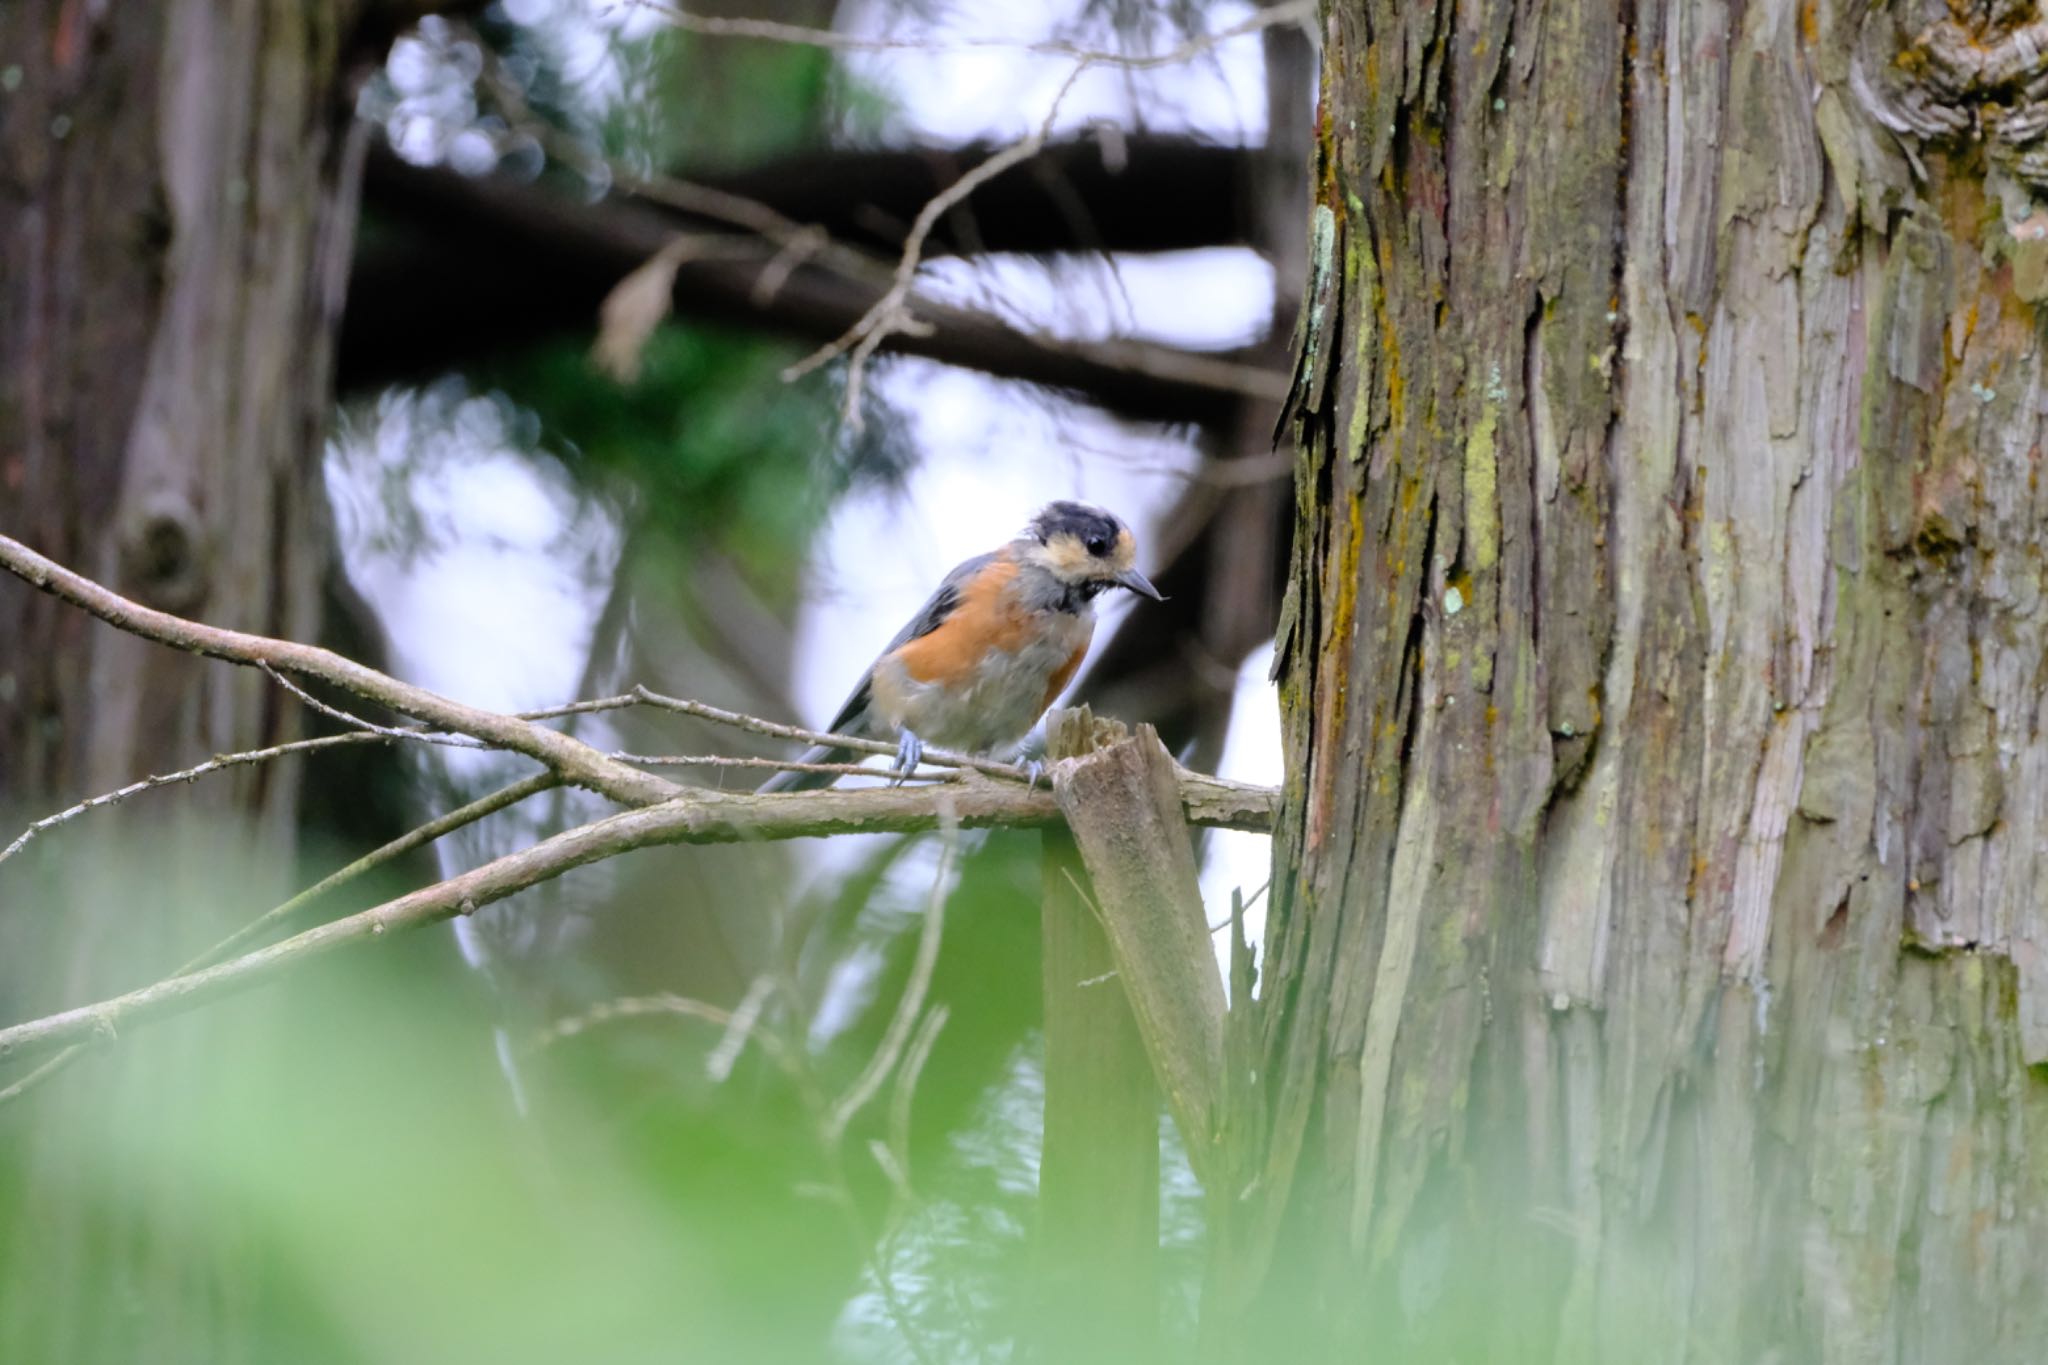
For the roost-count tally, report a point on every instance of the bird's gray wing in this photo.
(852, 717)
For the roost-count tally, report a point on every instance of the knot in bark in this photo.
(163, 554)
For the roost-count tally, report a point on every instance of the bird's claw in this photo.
(1033, 770)
(909, 751)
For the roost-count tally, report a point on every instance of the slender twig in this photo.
(697, 816)
(1239, 904)
(776, 730)
(888, 313)
(664, 1005)
(893, 1156)
(368, 727)
(667, 814)
(627, 1007)
(784, 764)
(804, 245)
(221, 762)
(579, 708)
(911, 1003)
(390, 852)
(396, 848)
(577, 762)
(739, 1028)
(50, 1066)
(215, 764)
(905, 1093)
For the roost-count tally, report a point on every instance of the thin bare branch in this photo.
(941, 774)
(373, 734)
(355, 722)
(739, 1028)
(776, 730)
(577, 762)
(890, 313)
(217, 763)
(643, 1007)
(376, 858)
(911, 1003)
(905, 1091)
(695, 816)
(50, 1066)
(1240, 905)
(579, 708)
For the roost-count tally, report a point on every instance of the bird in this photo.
(981, 661)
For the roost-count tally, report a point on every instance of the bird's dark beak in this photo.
(1137, 582)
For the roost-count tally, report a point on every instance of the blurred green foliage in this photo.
(709, 441)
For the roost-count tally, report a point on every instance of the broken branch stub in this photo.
(1123, 804)
(1098, 1175)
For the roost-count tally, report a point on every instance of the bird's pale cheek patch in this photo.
(1065, 556)
(1126, 552)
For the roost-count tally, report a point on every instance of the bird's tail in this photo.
(803, 782)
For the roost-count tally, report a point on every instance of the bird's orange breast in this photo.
(987, 619)
(1057, 683)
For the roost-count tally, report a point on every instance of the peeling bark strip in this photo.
(1660, 896)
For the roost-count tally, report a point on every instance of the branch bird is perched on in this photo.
(978, 665)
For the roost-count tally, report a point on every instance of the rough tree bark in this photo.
(1655, 967)
(176, 206)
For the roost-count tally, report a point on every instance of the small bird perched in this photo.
(978, 665)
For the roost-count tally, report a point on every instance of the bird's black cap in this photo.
(1090, 525)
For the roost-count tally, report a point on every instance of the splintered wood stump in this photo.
(1133, 1008)
(1098, 1176)
(1123, 807)
(1098, 1180)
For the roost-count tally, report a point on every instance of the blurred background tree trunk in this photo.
(1656, 943)
(176, 212)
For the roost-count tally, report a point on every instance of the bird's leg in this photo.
(1031, 756)
(909, 749)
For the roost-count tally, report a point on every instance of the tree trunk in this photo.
(176, 206)
(1655, 966)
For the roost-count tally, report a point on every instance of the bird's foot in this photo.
(1033, 770)
(909, 749)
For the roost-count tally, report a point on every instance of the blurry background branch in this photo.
(799, 35)
(433, 287)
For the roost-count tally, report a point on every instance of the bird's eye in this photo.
(1097, 545)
